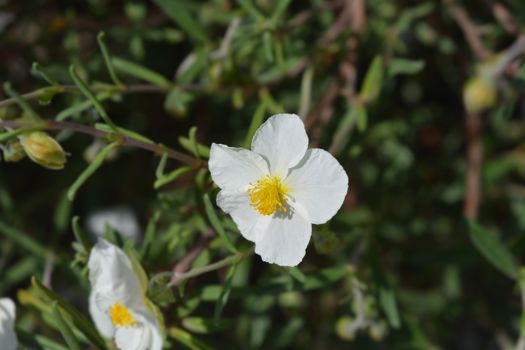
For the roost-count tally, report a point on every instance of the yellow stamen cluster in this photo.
(121, 316)
(268, 195)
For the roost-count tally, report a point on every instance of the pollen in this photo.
(121, 316)
(268, 195)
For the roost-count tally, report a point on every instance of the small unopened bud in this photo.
(378, 331)
(344, 328)
(13, 151)
(479, 94)
(43, 150)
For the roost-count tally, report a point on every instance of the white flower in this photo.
(8, 340)
(118, 304)
(278, 189)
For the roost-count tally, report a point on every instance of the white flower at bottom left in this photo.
(118, 303)
(8, 340)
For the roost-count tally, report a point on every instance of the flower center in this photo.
(121, 316)
(268, 195)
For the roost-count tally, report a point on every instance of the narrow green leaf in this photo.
(90, 170)
(257, 120)
(87, 92)
(205, 325)
(249, 7)
(107, 58)
(150, 234)
(78, 319)
(217, 225)
(373, 81)
(491, 247)
(297, 274)
(280, 8)
(62, 213)
(268, 46)
(80, 235)
(140, 72)
(21, 102)
(159, 172)
(188, 339)
(179, 14)
(204, 151)
(405, 66)
(82, 106)
(64, 328)
(225, 293)
(37, 69)
(193, 140)
(130, 133)
(175, 174)
(23, 240)
(6, 136)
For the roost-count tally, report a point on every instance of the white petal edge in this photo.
(233, 168)
(8, 339)
(237, 203)
(285, 239)
(319, 184)
(100, 318)
(111, 273)
(282, 141)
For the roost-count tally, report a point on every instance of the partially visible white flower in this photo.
(8, 340)
(276, 191)
(118, 303)
(120, 218)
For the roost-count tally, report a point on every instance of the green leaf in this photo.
(132, 134)
(177, 101)
(82, 106)
(64, 328)
(77, 318)
(6, 136)
(101, 38)
(91, 97)
(179, 14)
(257, 120)
(23, 240)
(225, 294)
(205, 325)
(80, 235)
(192, 136)
(249, 7)
(405, 66)
(140, 72)
(490, 246)
(37, 69)
(21, 101)
(204, 151)
(90, 170)
(172, 176)
(217, 225)
(373, 81)
(187, 339)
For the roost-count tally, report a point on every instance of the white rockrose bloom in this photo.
(118, 303)
(8, 340)
(278, 189)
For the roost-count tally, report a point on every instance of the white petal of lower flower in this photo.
(101, 319)
(282, 140)
(110, 269)
(145, 336)
(319, 183)
(233, 168)
(285, 238)
(8, 339)
(237, 203)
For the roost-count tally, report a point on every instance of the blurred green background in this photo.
(379, 83)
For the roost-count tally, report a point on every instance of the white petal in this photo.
(100, 318)
(237, 203)
(146, 336)
(132, 338)
(282, 140)
(8, 339)
(319, 183)
(233, 168)
(285, 238)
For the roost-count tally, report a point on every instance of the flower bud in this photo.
(344, 328)
(43, 150)
(479, 94)
(12, 151)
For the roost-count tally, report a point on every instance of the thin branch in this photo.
(474, 161)
(97, 88)
(123, 139)
(469, 29)
(503, 16)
